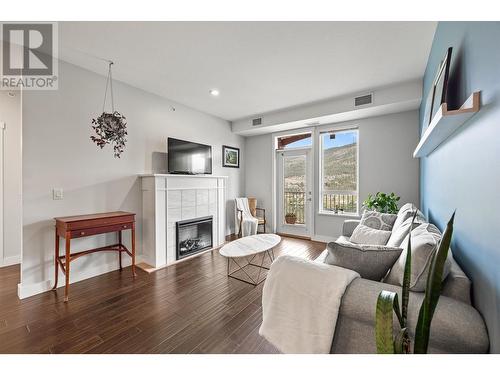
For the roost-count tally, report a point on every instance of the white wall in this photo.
(385, 164)
(57, 152)
(10, 114)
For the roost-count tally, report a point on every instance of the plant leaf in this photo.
(386, 302)
(432, 290)
(402, 342)
(407, 276)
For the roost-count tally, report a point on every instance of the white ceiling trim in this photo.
(401, 97)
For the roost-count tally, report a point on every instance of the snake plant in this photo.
(388, 304)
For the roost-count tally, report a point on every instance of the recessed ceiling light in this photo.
(214, 92)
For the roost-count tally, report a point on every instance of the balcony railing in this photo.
(333, 200)
(340, 200)
(294, 203)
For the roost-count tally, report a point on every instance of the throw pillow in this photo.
(399, 232)
(369, 236)
(378, 220)
(424, 241)
(370, 261)
(405, 212)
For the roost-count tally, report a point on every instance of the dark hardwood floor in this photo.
(190, 307)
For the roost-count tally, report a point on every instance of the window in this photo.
(289, 142)
(339, 171)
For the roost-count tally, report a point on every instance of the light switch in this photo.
(57, 194)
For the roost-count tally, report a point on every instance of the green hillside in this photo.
(339, 167)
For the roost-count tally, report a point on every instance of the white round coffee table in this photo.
(249, 246)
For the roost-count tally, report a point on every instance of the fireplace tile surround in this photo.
(168, 199)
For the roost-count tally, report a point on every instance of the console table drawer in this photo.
(99, 230)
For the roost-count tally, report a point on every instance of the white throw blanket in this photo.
(300, 304)
(249, 223)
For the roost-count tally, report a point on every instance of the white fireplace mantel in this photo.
(169, 198)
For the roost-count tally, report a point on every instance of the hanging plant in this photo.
(110, 127)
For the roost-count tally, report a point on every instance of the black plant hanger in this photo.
(110, 127)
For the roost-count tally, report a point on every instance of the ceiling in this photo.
(257, 66)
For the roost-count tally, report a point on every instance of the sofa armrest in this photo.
(457, 285)
(456, 327)
(349, 226)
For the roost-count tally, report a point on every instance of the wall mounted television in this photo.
(188, 157)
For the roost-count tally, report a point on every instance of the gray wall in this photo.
(57, 152)
(385, 164)
(259, 172)
(463, 173)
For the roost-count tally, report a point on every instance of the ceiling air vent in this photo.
(257, 121)
(363, 100)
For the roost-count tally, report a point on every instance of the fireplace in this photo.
(193, 236)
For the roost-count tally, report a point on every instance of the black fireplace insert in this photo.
(193, 236)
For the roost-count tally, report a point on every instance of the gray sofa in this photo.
(457, 326)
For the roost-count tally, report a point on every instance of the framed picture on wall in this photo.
(230, 157)
(440, 86)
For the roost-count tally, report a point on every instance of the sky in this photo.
(341, 139)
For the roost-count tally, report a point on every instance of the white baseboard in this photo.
(27, 290)
(321, 238)
(24, 291)
(9, 261)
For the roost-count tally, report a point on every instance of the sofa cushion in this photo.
(424, 241)
(456, 327)
(369, 236)
(406, 212)
(399, 232)
(370, 261)
(378, 220)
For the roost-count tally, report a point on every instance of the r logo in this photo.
(29, 49)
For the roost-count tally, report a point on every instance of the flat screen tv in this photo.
(188, 157)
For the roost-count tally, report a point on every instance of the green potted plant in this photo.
(382, 202)
(387, 304)
(290, 218)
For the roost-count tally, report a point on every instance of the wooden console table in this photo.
(89, 225)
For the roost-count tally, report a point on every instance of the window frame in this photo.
(291, 134)
(320, 190)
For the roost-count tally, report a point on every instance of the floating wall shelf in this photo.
(444, 123)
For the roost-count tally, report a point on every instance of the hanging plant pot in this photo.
(110, 127)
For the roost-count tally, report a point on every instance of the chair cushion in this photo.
(369, 236)
(424, 241)
(378, 220)
(370, 261)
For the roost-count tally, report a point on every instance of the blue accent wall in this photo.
(463, 173)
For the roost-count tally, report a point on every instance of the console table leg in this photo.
(56, 261)
(120, 253)
(133, 250)
(66, 267)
